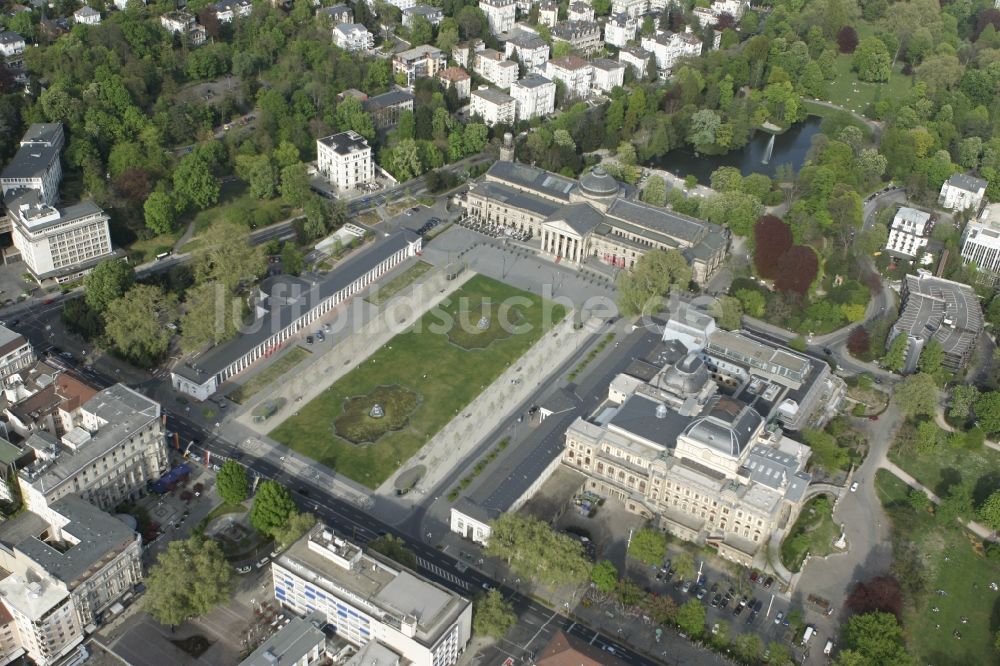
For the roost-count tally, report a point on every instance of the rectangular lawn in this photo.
(445, 376)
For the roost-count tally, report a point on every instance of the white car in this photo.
(854, 487)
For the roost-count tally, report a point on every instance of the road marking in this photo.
(442, 573)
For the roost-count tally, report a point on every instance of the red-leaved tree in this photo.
(772, 239)
(858, 342)
(797, 269)
(881, 593)
(847, 39)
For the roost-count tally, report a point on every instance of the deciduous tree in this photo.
(189, 579)
(298, 523)
(847, 39)
(987, 408)
(107, 282)
(604, 576)
(231, 482)
(895, 357)
(648, 546)
(728, 312)
(916, 395)
(492, 615)
(136, 323)
(533, 550)
(881, 593)
(797, 268)
(642, 289)
(691, 618)
(211, 314)
(395, 549)
(272, 507)
(194, 184)
(872, 61)
(772, 239)
(227, 256)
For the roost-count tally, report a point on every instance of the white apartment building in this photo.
(493, 106)
(608, 74)
(582, 36)
(345, 160)
(961, 192)
(457, 78)
(402, 4)
(433, 15)
(353, 37)
(535, 96)
(669, 47)
(981, 243)
(500, 14)
(734, 8)
(419, 62)
(495, 68)
(64, 570)
(633, 8)
(576, 73)
(548, 13)
(370, 599)
(87, 15)
(529, 48)
(228, 10)
(112, 447)
(16, 353)
(909, 232)
(620, 29)
(580, 11)
(11, 43)
(637, 58)
(36, 164)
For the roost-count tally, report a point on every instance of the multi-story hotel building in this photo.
(589, 218)
(60, 243)
(366, 597)
(345, 160)
(535, 96)
(112, 446)
(284, 307)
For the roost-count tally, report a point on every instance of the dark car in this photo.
(715, 587)
(737, 610)
(754, 576)
(309, 339)
(716, 600)
(751, 617)
(769, 582)
(701, 593)
(758, 606)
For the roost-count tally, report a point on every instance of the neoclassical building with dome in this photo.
(700, 464)
(593, 217)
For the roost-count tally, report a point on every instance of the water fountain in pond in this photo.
(377, 412)
(768, 150)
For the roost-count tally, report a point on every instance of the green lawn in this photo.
(142, 251)
(384, 292)
(948, 561)
(947, 466)
(424, 360)
(270, 374)
(847, 91)
(814, 532)
(236, 203)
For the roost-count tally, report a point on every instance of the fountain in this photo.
(484, 323)
(768, 150)
(841, 542)
(376, 412)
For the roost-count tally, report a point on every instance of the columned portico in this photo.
(563, 243)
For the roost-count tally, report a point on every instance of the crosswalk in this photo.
(441, 572)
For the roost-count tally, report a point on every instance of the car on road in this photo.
(779, 617)
(263, 562)
(609, 648)
(827, 351)
(854, 487)
(48, 301)
(487, 587)
(244, 569)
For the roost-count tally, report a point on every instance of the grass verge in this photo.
(590, 357)
(424, 360)
(478, 469)
(268, 375)
(813, 533)
(397, 284)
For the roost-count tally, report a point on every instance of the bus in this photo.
(163, 255)
(807, 635)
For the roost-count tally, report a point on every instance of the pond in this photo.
(789, 148)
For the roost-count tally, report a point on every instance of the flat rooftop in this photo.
(291, 643)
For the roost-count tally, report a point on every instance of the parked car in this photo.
(244, 569)
(854, 487)
(309, 339)
(769, 582)
(263, 562)
(716, 600)
(779, 617)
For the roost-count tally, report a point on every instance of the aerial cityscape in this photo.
(499, 332)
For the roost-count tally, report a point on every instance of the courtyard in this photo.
(372, 420)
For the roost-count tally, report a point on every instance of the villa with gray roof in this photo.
(939, 309)
(602, 223)
(365, 597)
(962, 192)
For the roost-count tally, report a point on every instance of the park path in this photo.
(947, 427)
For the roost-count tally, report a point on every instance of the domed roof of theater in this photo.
(597, 182)
(727, 428)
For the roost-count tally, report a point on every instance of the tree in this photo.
(107, 282)
(859, 342)
(989, 512)
(874, 639)
(297, 525)
(604, 576)
(847, 39)
(728, 312)
(872, 61)
(916, 395)
(194, 184)
(879, 594)
(650, 280)
(918, 500)
(648, 546)
(260, 174)
(291, 259)
(492, 615)
(683, 565)
(691, 618)
(748, 647)
(963, 397)
(797, 269)
(533, 550)
(958, 504)
(660, 607)
(211, 315)
(231, 482)
(827, 452)
(895, 357)
(272, 507)
(189, 579)
(295, 184)
(136, 324)
(655, 192)
(736, 210)
(395, 549)
(160, 213)
(987, 409)
(227, 256)
(932, 359)
(772, 239)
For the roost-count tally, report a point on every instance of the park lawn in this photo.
(422, 359)
(145, 250)
(384, 292)
(270, 374)
(236, 203)
(948, 466)
(847, 91)
(814, 532)
(964, 569)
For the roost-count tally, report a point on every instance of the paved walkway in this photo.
(947, 427)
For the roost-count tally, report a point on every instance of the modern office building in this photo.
(981, 244)
(284, 307)
(590, 219)
(493, 106)
(947, 311)
(962, 192)
(367, 598)
(36, 164)
(535, 96)
(112, 448)
(345, 160)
